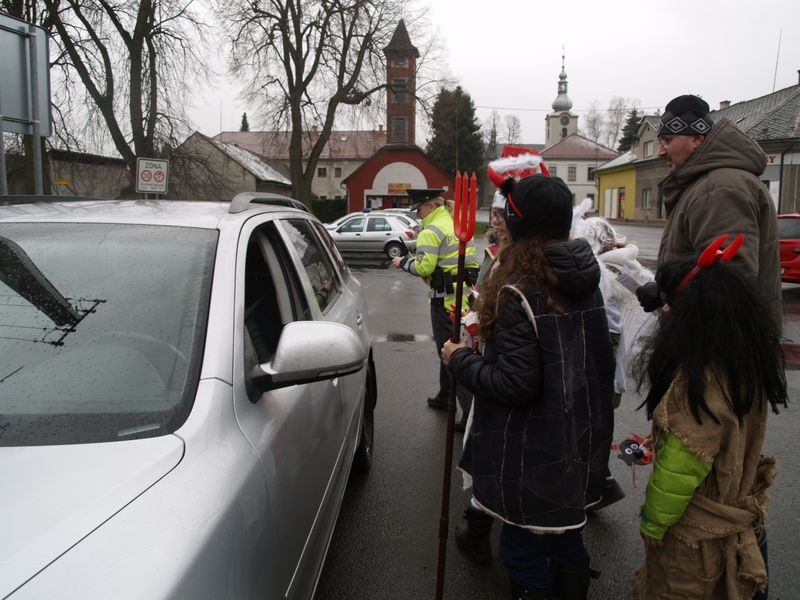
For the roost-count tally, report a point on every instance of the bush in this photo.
(329, 210)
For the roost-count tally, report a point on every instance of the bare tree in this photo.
(616, 115)
(490, 126)
(512, 129)
(135, 61)
(593, 122)
(307, 61)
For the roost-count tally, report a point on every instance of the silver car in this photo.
(383, 233)
(184, 389)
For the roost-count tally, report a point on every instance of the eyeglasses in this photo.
(665, 140)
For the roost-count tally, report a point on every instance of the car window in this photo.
(353, 225)
(102, 329)
(333, 250)
(315, 260)
(789, 228)
(378, 224)
(405, 221)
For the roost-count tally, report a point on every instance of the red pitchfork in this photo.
(466, 202)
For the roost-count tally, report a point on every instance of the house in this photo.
(344, 153)
(202, 168)
(574, 159)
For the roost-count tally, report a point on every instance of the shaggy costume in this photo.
(707, 532)
(719, 190)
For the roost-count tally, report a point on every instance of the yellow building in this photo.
(616, 188)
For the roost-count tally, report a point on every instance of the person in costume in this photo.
(619, 262)
(537, 449)
(713, 367)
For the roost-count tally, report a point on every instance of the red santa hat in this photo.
(517, 162)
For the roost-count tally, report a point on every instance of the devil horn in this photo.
(732, 248)
(495, 177)
(709, 254)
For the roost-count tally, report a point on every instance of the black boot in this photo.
(523, 592)
(474, 537)
(571, 582)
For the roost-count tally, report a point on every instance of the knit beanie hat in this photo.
(686, 115)
(538, 205)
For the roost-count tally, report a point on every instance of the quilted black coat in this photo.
(543, 418)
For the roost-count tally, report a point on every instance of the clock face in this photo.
(564, 120)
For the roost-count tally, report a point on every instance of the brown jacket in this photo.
(718, 190)
(712, 553)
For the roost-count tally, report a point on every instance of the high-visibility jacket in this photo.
(437, 246)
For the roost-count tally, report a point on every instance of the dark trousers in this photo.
(442, 328)
(528, 555)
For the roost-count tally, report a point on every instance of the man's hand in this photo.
(649, 296)
(397, 261)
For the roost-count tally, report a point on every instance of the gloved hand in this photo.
(649, 296)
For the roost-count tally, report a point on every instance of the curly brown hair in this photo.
(522, 262)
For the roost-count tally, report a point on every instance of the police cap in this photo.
(420, 196)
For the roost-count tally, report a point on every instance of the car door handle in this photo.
(359, 320)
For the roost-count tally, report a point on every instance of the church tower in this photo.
(401, 79)
(561, 122)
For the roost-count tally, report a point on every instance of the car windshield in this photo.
(101, 329)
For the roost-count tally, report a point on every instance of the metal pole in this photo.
(3, 181)
(33, 73)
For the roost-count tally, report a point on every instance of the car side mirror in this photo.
(310, 351)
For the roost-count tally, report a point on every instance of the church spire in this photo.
(562, 101)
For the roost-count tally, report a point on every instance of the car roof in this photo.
(183, 213)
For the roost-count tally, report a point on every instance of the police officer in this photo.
(436, 261)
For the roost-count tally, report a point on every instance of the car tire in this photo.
(362, 461)
(394, 249)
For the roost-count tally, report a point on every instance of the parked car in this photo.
(409, 218)
(185, 389)
(789, 234)
(374, 233)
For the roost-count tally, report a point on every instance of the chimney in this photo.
(314, 130)
(724, 104)
(380, 127)
(798, 76)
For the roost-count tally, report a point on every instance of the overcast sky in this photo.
(507, 55)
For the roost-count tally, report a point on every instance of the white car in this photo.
(374, 232)
(185, 387)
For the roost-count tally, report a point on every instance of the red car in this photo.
(789, 234)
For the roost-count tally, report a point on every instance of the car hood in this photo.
(54, 496)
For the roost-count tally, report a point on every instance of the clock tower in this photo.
(561, 122)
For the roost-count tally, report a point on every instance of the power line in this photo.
(549, 110)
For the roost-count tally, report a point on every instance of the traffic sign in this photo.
(152, 175)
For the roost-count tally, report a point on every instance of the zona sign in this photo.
(151, 175)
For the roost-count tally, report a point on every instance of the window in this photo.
(353, 225)
(647, 148)
(144, 351)
(553, 170)
(563, 132)
(337, 172)
(647, 198)
(316, 261)
(399, 91)
(572, 173)
(322, 172)
(399, 132)
(399, 61)
(590, 173)
(378, 224)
